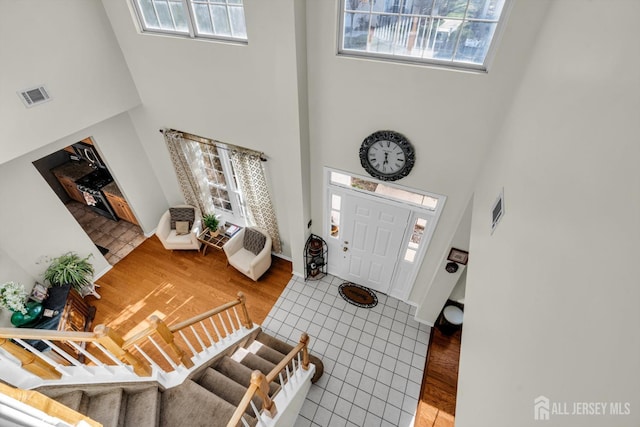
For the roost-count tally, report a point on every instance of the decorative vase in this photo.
(34, 312)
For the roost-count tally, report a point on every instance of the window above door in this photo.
(448, 33)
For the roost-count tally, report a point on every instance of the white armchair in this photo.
(171, 240)
(251, 255)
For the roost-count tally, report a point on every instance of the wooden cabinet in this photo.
(70, 187)
(121, 207)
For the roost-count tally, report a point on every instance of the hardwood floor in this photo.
(437, 406)
(177, 285)
(180, 284)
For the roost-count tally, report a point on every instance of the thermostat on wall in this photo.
(497, 212)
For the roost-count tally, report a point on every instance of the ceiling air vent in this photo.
(33, 96)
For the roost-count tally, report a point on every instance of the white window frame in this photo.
(237, 214)
(191, 24)
(453, 64)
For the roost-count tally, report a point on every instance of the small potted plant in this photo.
(211, 222)
(70, 269)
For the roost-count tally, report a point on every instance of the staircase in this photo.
(209, 397)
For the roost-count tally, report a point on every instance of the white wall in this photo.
(245, 95)
(69, 46)
(552, 296)
(450, 117)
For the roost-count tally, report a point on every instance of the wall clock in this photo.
(387, 155)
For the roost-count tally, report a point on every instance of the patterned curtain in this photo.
(186, 156)
(253, 185)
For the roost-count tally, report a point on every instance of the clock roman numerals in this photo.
(387, 155)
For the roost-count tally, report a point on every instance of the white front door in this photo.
(371, 240)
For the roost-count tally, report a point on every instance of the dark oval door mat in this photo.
(358, 295)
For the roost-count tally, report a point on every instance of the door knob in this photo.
(345, 249)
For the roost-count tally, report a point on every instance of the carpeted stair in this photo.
(209, 398)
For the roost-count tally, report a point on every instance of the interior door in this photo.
(372, 235)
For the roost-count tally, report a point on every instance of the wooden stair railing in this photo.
(260, 382)
(195, 334)
(123, 351)
(140, 351)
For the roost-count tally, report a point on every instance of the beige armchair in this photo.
(249, 251)
(170, 239)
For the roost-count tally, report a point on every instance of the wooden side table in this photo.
(209, 241)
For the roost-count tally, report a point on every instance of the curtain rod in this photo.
(218, 144)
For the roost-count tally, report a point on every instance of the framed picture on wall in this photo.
(39, 292)
(459, 256)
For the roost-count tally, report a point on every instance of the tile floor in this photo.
(120, 237)
(373, 358)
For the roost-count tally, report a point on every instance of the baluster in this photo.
(153, 364)
(224, 326)
(86, 354)
(67, 356)
(215, 328)
(107, 353)
(193, 350)
(195, 333)
(232, 325)
(168, 337)
(240, 325)
(163, 353)
(247, 320)
(286, 369)
(282, 384)
(206, 332)
(113, 343)
(256, 411)
(262, 389)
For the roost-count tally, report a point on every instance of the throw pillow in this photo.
(253, 240)
(182, 228)
(182, 214)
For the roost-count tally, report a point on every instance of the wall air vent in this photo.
(497, 211)
(34, 96)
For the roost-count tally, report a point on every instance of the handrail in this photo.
(200, 317)
(273, 374)
(39, 334)
(47, 405)
(258, 379)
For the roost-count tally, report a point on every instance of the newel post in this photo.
(167, 336)
(304, 340)
(247, 320)
(259, 380)
(112, 341)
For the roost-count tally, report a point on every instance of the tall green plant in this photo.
(70, 269)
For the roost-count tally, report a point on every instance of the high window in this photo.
(455, 33)
(217, 19)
